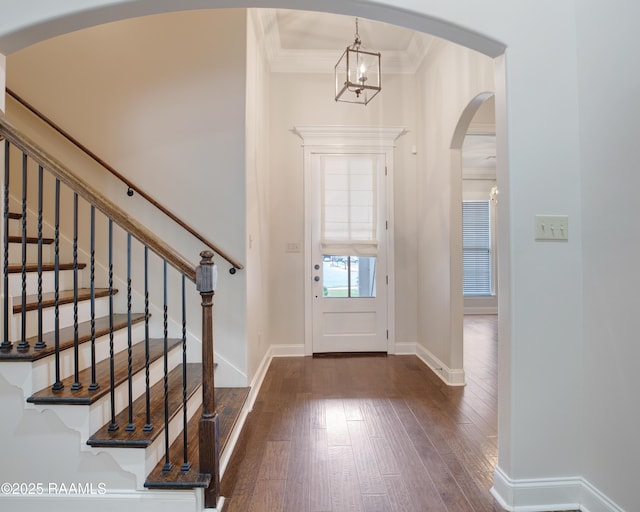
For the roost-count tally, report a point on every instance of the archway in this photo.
(42, 25)
(24, 26)
(474, 168)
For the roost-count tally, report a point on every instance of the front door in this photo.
(349, 252)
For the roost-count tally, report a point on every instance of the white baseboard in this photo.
(256, 383)
(287, 350)
(405, 348)
(549, 494)
(481, 310)
(451, 377)
(595, 501)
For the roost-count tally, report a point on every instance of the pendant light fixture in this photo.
(357, 73)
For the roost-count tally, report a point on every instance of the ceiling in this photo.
(312, 42)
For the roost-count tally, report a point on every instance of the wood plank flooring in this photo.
(370, 434)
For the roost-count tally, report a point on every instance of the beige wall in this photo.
(258, 177)
(307, 99)
(162, 101)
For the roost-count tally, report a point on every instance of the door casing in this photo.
(332, 139)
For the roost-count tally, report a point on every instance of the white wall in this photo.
(308, 99)
(162, 101)
(609, 134)
(450, 78)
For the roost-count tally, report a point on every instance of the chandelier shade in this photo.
(357, 73)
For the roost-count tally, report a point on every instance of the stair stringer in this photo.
(93, 480)
(86, 419)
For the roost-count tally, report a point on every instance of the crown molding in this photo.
(282, 60)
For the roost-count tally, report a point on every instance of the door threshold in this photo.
(349, 354)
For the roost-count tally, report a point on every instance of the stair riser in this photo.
(15, 253)
(66, 317)
(100, 411)
(15, 225)
(44, 369)
(48, 282)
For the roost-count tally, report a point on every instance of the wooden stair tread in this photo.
(84, 396)
(13, 215)
(139, 438)
(14, 239)
(67, 337)
(46, 267)
(228, 403)
(64, 297)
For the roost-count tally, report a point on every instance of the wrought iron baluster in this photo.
(94, 385)
(40, 344)
(76, 356)
(148, 427)
(186, 465)
(58, 385)
(6, 344)
(23, 346)
(167, 463)
(113, 426)
(131, 425)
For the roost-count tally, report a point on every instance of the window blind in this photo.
(476, 242)
(349, 204)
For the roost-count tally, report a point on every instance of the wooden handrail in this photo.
(127, 182)
(94, 197)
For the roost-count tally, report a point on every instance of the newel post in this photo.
(209, 450)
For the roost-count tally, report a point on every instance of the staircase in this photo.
(95, 331)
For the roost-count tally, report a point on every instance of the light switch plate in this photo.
(292, 247)
(552, 227)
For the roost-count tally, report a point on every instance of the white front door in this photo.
(349, 252)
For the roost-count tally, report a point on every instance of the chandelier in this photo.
(357, 73)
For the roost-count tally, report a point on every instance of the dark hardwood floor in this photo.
(370, 434)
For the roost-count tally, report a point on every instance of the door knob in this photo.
(316, 266)
(316, 278)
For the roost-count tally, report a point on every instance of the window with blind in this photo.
(476, 242)
(349, 204)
